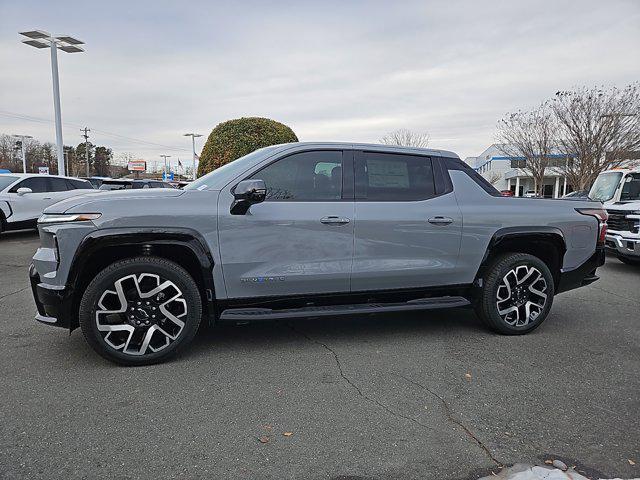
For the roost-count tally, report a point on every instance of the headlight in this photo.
(70, 217)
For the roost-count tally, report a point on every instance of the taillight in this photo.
(602, 217)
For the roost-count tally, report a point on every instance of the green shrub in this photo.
(233, 139)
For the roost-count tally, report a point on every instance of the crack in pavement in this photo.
(454, 420)
(13, 293)
(353, 385)
(631, 300)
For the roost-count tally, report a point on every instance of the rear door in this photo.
(62, 188)
(300, 239)
(407, 233)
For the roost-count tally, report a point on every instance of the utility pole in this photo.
(86, 146)
(23, 148)
(166, 172)
(193, 144)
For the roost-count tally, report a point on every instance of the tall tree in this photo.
(102, 161)
(529, 135)
(597, 127)
(406, 138)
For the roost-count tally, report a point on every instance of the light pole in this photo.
(193, 144)
(166, 172)
(24, 154)
(41, 39)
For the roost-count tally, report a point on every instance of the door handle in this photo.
(46, 198)
(439, 220)
(334, 220)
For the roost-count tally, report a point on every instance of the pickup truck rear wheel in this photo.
(517, 294)
(140, 310)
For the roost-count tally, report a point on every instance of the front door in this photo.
(29, 206)
(406, 236)
(300, 239)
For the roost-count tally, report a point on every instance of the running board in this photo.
(248, 314)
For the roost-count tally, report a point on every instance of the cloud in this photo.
(349, 71)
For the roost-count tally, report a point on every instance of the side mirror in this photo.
(247, 193)
(23, 191)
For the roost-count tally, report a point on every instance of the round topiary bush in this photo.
(233, 139)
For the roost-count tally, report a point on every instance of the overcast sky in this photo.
(331, 70)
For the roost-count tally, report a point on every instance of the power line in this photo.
(30, 118)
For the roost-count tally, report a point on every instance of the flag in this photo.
(179, 163)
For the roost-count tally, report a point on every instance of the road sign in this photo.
(167, 176)
(137, 166)
(43, 170)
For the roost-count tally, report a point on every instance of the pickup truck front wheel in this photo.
(140, 310)
(517, 294)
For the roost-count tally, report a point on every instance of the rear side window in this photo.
(59, 185)
(305, 176)
(79, 184)
(36, 184)
(456, 164)
(388, 177)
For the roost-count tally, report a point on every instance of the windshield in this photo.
(241, 164)
(6, 181)
(605, 186)
(631, 188)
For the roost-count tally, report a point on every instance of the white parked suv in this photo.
(24, 196)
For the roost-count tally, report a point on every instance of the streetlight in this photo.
(166, 172)
(24, 155)
(41, 39)
(193, 144)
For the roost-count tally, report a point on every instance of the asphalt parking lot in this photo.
(432, 396)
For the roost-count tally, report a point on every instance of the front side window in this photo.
(305, 176)
(393, 177)
(631, 188)
(36, 184)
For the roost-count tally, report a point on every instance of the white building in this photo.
(510, 173)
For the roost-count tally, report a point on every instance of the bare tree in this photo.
(597, 129)
(406, 138)
(494, 178)
(529, 135)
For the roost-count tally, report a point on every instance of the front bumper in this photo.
(623, 245)
(584, 274)
(54, 304)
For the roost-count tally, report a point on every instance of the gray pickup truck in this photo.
(307, 230)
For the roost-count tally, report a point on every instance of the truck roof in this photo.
(371, 146)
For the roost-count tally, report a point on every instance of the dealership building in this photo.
(510, 173)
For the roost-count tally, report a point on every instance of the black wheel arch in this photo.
(545, 242)
(184, 246)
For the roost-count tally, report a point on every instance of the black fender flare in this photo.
(546, 233)
(149, 236)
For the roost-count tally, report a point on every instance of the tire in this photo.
(517, 294)
(630, 261)
(116, 319)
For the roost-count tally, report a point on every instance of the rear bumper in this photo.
(54, 304)
(622, 245)
(584, 274)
